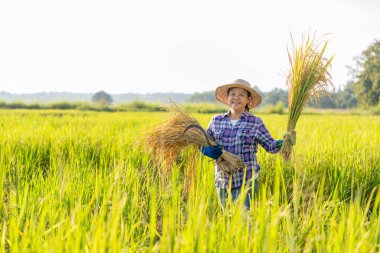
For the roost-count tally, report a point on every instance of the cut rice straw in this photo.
(167, 140)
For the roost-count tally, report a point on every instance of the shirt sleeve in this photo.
(265, 139)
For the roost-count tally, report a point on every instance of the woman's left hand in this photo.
(291, 137)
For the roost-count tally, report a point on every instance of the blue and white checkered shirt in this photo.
(241, 140)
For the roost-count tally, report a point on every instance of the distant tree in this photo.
(343, 99)
(207, 96)
(102, 98)
(346, 98)
(275, 96)
(367, 83)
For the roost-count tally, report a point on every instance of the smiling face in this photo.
(237, 99)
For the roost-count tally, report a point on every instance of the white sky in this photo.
(170, 45)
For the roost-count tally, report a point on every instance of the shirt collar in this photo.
(244, 115)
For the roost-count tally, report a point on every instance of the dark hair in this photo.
(249, 95)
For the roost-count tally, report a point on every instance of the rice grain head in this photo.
(308, 79)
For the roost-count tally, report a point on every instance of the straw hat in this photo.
(222, 96)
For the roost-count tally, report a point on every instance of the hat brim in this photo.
(222, 96)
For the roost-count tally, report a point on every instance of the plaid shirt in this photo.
(241, 140)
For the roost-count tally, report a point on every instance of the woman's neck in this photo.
(235, 114)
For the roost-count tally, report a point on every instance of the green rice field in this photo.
(75, 181)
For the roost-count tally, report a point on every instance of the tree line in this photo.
(361, 91)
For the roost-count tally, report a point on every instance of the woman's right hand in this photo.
(213, 152)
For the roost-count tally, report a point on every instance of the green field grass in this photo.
(78, 182)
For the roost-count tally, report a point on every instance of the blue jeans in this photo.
(235, 192)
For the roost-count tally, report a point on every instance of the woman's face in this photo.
(238, 99)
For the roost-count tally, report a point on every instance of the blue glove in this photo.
(213, 152)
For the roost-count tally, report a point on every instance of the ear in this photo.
(250, 99)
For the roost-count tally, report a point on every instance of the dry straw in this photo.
(308, 79)
(167, 140)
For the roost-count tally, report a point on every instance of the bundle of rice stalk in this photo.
(308, 79)
(181, 130)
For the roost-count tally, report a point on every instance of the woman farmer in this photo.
(238, 132)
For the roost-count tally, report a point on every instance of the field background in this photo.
(79, 181)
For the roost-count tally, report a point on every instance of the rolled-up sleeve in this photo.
(265, 139)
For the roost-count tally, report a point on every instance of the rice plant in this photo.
(78, 182)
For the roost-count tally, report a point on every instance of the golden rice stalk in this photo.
(170, 138)
(308, 79)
